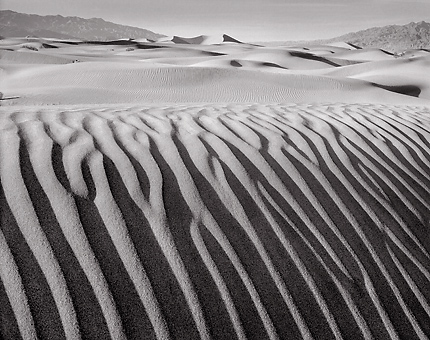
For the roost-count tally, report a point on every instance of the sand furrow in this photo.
(22, 208)
(115, 224)
(388, 206)
(215, 221)
(65, 212)
(353, 309)
(267, 173)
(336, 146)
(345, 243)
(378, 164)
(237, 211)
(217, 277)
(379, 150)
(15, 292)
(171, 156)
(404, 144)
(420, 297)
(384, 200)
(384, 271)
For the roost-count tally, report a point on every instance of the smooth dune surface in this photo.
(206, 69)
(204, 188)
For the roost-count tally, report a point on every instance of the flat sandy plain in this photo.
(205, 188)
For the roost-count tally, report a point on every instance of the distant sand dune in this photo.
(100, 82)
(203, 40)
(206, 69)
(274, 221)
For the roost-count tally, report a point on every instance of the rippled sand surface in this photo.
(223, 221)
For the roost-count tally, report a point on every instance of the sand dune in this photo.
(204, 188)
(215, 221)
(202, 40)
(205, 69)
(100, 82)
(398, 72)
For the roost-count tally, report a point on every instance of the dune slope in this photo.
(205, 69)
(277, 221)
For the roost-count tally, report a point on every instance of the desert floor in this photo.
(209, 189)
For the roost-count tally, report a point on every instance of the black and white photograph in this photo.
(224, 169)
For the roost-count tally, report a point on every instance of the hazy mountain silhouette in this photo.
(393, 38)
(13, 24)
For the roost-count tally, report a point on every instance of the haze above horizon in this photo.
(247, 20)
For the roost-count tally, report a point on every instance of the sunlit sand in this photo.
(198, 188)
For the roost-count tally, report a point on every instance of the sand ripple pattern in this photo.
(215, 222)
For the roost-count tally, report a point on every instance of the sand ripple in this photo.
(215, 221)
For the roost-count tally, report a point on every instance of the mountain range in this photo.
(13, 24)
(392, 38)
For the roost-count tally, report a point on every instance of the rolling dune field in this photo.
(185, 197)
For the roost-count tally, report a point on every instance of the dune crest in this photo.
(203, 40)
(204, 221)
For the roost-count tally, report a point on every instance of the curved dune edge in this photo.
(215, 221)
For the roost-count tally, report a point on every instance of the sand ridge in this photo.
(298, 221)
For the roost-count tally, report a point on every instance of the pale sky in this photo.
(247, 20)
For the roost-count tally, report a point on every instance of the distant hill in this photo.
(13, 24)
(392, 38)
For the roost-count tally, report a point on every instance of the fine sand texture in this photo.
(166, 192)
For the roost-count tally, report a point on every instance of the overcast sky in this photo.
(248, 20)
